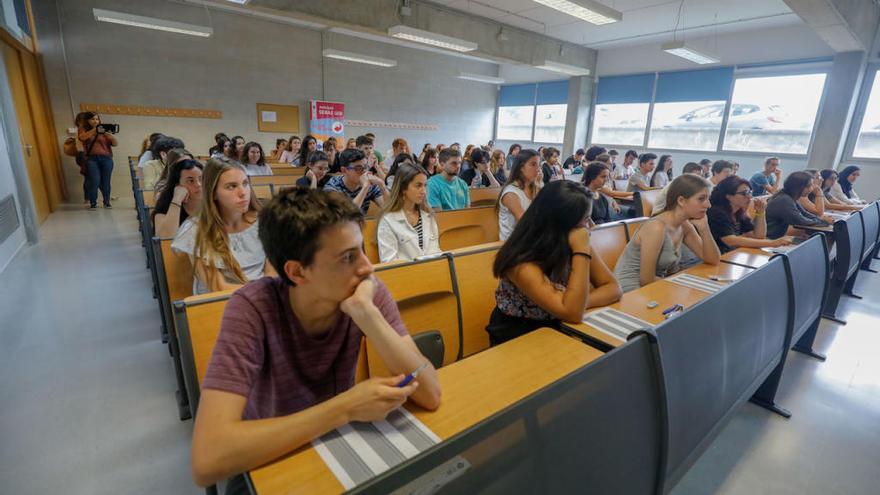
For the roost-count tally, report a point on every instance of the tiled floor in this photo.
(87, 404)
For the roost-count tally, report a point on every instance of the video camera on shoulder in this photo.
(108, 128)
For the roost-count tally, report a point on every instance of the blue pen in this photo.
(410, 377)
(672, 309)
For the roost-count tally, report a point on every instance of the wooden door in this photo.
(30, 148)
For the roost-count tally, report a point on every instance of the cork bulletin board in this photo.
(278, 118)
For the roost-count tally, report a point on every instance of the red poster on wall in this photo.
(326, 118)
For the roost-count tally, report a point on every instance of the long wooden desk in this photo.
(665, 294)
(748, 257)
(473, 389)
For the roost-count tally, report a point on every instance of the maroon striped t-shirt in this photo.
(263, 353)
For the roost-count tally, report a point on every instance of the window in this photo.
(689, 108)
(515, 123)
(13, 16)
(773, 114)
(621, 115)
(533, 112)
(868, 142)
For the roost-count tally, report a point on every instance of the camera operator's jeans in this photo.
(99, 170)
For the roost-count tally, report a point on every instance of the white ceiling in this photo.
(644, 21)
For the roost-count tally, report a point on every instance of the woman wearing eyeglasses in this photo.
(729, 221)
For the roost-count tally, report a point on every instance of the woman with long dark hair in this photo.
(729, 221)
(784, 212)
(309, 146)
(179, 199)
(220, 140)
(98, 146)
(547, 271)
(430, 162)
(663, 173)
(595, 177)
(829, 179)
(254, 160)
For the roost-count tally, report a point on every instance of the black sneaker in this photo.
(108, 206)
(93, 208)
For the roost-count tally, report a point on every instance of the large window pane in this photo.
(773, 114)
(515, 123)
(550, 123)
(689, 125)
(868, 143)
(620, 123)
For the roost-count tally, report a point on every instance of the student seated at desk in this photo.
(179, 199)
(479, 174)
(222, 240)
(407, 229)
(400, 159)
(254, 160)
(768, 181)
(172, 157)
(729, 219)
(829, 179)
(283, 368)
(519, 191)
(446, 190)
(546, 269)
(316, 177)
(640, 180)
(655, 250)
(309, 146)
(356, 182)
(843, 190)
(594, 179)
(154, 168)
(814, 202)
(290, 154)
(662, 175)
(784, 213)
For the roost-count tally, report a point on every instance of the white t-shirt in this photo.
(258, 170)
(245, 246)
(506, 220)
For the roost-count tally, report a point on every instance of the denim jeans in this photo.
(99, 170)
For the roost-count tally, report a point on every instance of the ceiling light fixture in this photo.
(587, 10)
(151, 23)
(427, 37)
(357, 57)
(480, 78)
(678, 48)
(571, 70)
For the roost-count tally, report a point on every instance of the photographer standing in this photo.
(97, 144)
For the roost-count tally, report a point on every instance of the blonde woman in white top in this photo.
(407, 229)
(519, 191)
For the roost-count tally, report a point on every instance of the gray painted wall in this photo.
(246, 61)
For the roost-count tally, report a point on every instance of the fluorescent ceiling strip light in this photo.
(429, 38)
(480, 78)
(679, 49)
(357, 57)
(570, 70)
(256, 12)
(587, 10)
(151, 23)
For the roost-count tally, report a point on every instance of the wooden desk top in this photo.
(665, 294)
(473, 389)
(751, 257)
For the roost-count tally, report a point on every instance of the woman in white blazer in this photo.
(407, 229)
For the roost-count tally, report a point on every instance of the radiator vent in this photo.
(8, 217)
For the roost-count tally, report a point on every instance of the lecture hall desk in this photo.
(473, 389)
(665, 294)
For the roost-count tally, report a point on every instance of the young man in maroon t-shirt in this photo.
(282, 371)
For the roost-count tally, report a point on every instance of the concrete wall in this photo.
(246, 61)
